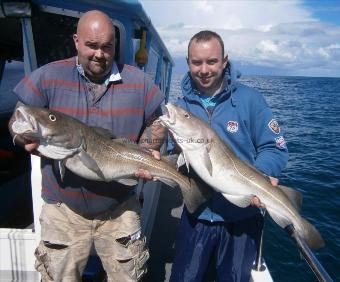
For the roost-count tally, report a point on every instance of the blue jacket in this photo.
(242, 119)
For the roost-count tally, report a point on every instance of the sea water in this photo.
(308, 109)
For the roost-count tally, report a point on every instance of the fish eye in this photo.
(52, 117)
(186, 115)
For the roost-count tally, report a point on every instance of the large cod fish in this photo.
(93, 154)
(217, 164)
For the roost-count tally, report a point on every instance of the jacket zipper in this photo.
(210, 114)
(210, 119)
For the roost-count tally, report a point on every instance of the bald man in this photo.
(78, 213)
(94, 42)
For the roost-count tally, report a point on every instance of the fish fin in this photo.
(167, 181)
(310, 234)
(208, 146)
(127, 181)
(182, 160)
(195, 195)
(240, 201)
(278, 218)
(206, 159)
(103, 132)
(90, 164)
(83, 145)
(293, 195)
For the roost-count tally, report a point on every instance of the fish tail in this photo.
(195, 195)
(311, 235)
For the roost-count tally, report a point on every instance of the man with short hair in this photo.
(221, 233)
(79, 213)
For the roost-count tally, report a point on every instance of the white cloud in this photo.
(205, 7)
(274, 33)
(269, 48)
(331, 51)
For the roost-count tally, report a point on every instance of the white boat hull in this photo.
(261, 276)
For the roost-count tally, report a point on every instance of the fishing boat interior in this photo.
(34, 33)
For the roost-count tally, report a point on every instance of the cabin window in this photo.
(10, 39)
(53, 37)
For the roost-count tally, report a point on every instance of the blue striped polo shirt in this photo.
(124, 109)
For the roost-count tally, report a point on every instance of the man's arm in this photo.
(154, 133)
(270, 145)
(152, 139)
(268, 138)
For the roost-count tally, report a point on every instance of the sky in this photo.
(265, 37)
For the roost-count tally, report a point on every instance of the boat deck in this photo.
(162, 240)
(163, 236)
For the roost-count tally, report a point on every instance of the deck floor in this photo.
(162, 241)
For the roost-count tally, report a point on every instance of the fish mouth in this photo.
(24, 123)
(169, 117)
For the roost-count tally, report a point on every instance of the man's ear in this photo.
(225, 61)
(75, 40)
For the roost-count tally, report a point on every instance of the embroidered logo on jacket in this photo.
(280, 142)
(274, 126)
(232, 126)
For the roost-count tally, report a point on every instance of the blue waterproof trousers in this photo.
(231, 247)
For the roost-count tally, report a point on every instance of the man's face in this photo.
(96, 50)
(206, 65)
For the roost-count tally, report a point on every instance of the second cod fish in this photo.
(92, 154)
(217, 164)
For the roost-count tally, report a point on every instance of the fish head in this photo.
(51, 128)
(188, 131)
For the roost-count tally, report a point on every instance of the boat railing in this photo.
(259, 266)
(315, 265)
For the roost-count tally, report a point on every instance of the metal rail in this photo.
(258, 260)
(319, 271)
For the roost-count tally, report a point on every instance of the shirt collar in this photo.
(114, 76)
